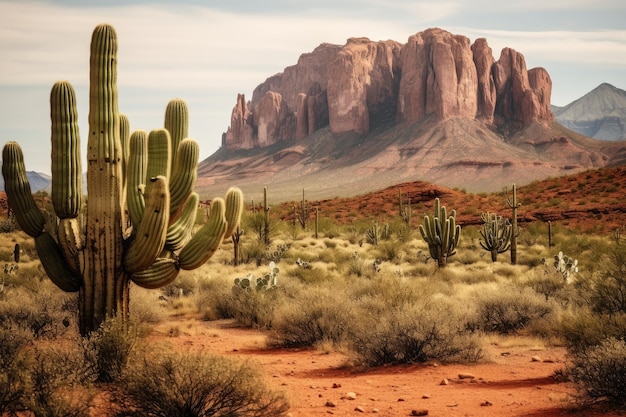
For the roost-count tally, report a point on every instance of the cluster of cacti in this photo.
(251, 282)
(496, 234)
(441, 233)
(514, 205)
(140, 209)
(565, 266)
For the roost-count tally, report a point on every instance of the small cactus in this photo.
(514, 205)
(251, 282)
(565, 266)
(496, 234)
(441, 233)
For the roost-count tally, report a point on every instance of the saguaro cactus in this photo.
(514, 205)
(151, 244)
(496, 234)
(441, 233)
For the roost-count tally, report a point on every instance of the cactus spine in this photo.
(514, 205)
(441, 233)
(496, 234)
(125, 174)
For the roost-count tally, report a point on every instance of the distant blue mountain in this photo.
(38, 181)
(599, 114)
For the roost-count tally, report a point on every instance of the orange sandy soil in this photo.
(512, 381)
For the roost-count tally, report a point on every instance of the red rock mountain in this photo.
(346, 119)
(355, 87)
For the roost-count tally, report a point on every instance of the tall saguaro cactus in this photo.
(441, 233)
(139, 218)
(514, 205)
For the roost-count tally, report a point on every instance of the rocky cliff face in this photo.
(363, 84)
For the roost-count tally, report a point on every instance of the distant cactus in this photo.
(140, 206)
(565, 266)
(514, 205)
(496, 234)
(303, 213)
(404, 210)
(441, 233)
(251, 282)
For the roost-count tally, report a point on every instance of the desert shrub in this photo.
(250, 308)
(318, 314)
(312, 275)
(51, 371)
(600, 372)
(607, 289)
(211, 297)
(107, 350)
(183, 285)
(413, 333)
(13, 377)
(389, 250)
(145, 306)
(196, 385)
(46, 313)
(584, 329)
(508, 309)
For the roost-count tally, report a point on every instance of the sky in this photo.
(207, 52)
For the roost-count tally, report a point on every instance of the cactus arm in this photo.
(161, 273)
(69, 238)
(206, 240)
(184, 174)
(67, 183)
(54, 263)
(180, 232)
(176, 123)
(136, 175)
(18, 190)
(234, 209)
(159, 155)
(152, 231)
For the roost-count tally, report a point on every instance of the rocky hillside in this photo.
(359, 117)
(599, 114)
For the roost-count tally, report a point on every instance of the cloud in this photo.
(208, 54)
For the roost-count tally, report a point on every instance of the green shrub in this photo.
(196, 385)
(46, 313)
(107, 350)
(600, 372)
(13, 378)
(318, 314)
(413, 333)
(584, 329)
(508, 309)
(608, 287)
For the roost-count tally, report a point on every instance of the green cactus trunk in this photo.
(514, 205)
(105, 289)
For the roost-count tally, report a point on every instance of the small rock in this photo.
(425, 396)
(350, 396)
(359, 409)
(400, 399)
(548, 360)
(419, 412)
(466, 375)
(329, 404)
(375, 411)
(535, 359)
(444, 382)
(505, 353)
(486, 404)
(336, 385)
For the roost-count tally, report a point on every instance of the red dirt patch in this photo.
(516, 381)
